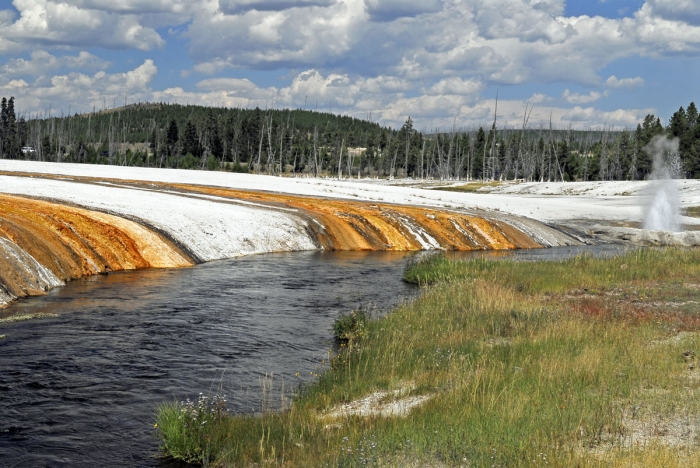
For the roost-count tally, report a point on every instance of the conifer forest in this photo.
(301, 142)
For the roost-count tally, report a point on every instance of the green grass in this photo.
(524, 364)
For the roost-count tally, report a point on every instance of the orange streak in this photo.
(74, 242)
(352, 225)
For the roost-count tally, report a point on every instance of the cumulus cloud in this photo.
(430, 58)
(389, 10)
(615, 82)
(80, 91)
(390, 100)
(495, 41)
(7, 17)
(134, 6)
(455, 86)
(50, 22)
(226, 84)
(679, 10)
(273, 39)
(492, 41)
(620, 117)
(42, 62)
(389, 105)
(539, 98)
(234, 7)
(527, 21)
(576, 98)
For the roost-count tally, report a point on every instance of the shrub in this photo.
(238, 167)
(350, 327)
(193, 432)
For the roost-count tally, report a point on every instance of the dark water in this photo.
(80, 390)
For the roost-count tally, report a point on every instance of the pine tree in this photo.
(478, 166)
(153, 143)
(678, 125)
(191, 140)
(404, 139)
(3, 127)
(11, 145)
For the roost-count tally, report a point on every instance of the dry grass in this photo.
(469, 187)
(23, 317)
(692, 211)
(575, 363)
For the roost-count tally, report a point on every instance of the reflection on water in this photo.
(81, 389)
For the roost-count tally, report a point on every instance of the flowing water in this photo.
(80, 389)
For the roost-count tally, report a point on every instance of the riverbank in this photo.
(55, 228)
(583, 362)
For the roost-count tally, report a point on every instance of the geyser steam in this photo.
(662, 212)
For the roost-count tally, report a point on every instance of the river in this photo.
(80, 389)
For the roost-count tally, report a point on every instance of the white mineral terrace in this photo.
(211, 227)
(548, 202)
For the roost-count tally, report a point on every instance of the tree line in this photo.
(305, 142)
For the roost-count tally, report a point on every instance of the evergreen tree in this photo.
(678, 125)
(11, 145)
(479, 145)
(692, 116)
(3, 127)
(153, 143)
(171, 139)
(191, 140)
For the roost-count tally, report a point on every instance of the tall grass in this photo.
(525, 364)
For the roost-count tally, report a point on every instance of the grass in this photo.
(692, 211)
(23, 317)
(469, 187)
(572, 363)
(350, 327)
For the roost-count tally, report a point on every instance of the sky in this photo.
(444, 63)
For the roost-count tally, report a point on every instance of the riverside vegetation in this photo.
(581, 362)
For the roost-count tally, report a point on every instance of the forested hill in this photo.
(313, 143)
(137, 122)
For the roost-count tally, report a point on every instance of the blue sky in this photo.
(584, 63)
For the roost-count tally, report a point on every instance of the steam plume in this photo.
(662, 211)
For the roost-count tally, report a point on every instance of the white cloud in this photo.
(523, 20)
(576, 98)
(455, 86)
(358, 96)
(491, 41)
(234, 7)
(7, 17)
(82, 92)
(494, 41)
(539, 98)
(226, 84)
(615, 82)
(429, 58)
(274, 38)
(135, 6)
(687, 11)
(42, 62)
(590, 116)
(50, 22)
(389, 10)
